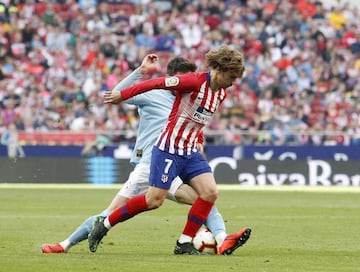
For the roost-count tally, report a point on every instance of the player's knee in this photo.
(213, 195)
(154, 202)
(210, 195)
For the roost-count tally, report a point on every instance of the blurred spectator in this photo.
(10, 139)
(279, 134)
(355, 45)
(337, 18)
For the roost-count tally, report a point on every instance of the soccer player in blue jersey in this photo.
(153, 107)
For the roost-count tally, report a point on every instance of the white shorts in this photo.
(138, 183)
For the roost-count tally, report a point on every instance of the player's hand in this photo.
(112, 97)
(150, 62)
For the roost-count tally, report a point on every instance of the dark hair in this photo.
(180, 65)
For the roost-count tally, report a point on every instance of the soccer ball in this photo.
(204, 241)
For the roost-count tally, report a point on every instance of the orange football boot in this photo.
(49, 248)
(233, 241)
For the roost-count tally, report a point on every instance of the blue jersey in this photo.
(154, 108)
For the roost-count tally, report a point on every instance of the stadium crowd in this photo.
(301, 84)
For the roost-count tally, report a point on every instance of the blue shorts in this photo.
(165, 167)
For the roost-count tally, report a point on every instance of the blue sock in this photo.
(215, 222)
(82, 232)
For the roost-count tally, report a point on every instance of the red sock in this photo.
(132, 207)
(197, 216)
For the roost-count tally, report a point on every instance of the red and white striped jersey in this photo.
(193, 108)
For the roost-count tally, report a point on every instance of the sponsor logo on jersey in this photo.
(204, 111)
(202, 115)
(171, 81)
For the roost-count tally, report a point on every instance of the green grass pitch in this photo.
(293, 230)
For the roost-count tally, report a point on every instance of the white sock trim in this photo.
(185, 239)
(66, 245)
(107, 223)
(220, 237)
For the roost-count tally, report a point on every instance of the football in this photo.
(204, 241)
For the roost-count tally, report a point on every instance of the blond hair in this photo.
(226, 59)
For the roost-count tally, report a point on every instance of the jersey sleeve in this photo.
(131, 79)
(183, 83)
(128, 81)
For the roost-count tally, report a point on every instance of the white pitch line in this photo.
(285, 188)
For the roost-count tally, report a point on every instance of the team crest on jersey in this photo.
(164, 178)
(139, 153)
(171, 81)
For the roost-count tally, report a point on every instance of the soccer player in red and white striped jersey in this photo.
(194, 106)
(198, 95)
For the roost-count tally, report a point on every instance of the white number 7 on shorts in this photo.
(168, 165)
